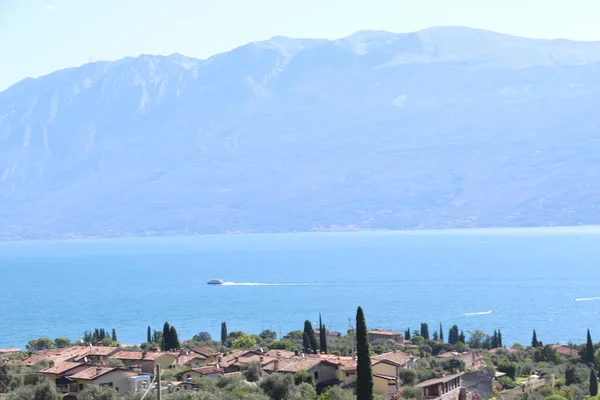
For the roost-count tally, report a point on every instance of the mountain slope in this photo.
(447, 127)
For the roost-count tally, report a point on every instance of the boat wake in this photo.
(587, 299)
(472, 314)
(268, 284)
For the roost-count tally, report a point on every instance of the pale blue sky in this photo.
(38, 37)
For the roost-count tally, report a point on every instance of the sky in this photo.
(38, 37)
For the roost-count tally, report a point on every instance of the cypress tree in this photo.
(588, 356)
(407, 334)
(364, 377)
(173, 339)
(166, 336)
(453, 335)
(311, 339)
(534, 340)
(461, 337)
(149, 334)
(305, 343)
(223, 332)
(114, 335)
(441, 333)
(500, 344)
(593, 383)
(323, 339)
(425, 331)
(435, 336)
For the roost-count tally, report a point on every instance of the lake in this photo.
(527, 278)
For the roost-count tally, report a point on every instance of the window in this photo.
(316, 375)
(347, 374)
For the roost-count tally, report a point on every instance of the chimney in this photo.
(144, 354)
(276, 365)
(296, 352)
(219, 359)
(98, 370)
(237, 358)
(262, 359)
(51, 364)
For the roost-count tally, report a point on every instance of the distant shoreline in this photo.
(578, 229)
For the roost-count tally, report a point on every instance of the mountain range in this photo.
(448, 127)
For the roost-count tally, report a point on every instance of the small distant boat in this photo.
(215, 282)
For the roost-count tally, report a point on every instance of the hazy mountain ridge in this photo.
(447, 127)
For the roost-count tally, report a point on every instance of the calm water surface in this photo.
(527, 278)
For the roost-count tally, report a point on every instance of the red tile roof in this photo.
(140, 355)
(206, 352)
(397, 357)
(93, 373)
(208, 370)
(61, 368)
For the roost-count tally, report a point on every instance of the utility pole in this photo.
(158, 392)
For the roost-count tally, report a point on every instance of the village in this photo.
(467, 374)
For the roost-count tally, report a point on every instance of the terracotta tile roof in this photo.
(185, 359)
(397, 357)
(243, 356)
(61, 368)
(93, 373)
(566, 350)
(502, 349)
(281, 353)
(447, 355)
(292, 365)
(101, 351)
(140, 355)
(206, 352)
(57, 356)
(383, 332)
(435, 381)
(209, 369)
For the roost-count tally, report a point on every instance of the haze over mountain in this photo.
(446, 127)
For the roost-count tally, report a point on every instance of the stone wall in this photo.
(478, 382)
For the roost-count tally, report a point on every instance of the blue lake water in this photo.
(527, 278)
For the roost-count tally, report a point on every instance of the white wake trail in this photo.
(268, 284)
(472, 314)
(587, 299)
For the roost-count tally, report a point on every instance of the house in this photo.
(446, 387)
(56, 356)
(385, 335)
(234, 361)
(146, 360)
(97, 354)
(57, 371)
(346, 373)
(192, 360)
(322, 370)
(209, 354)
(566, 351)
(210, 371)
(398, 358)
(282, 353)
(120, 379)
(471, 358)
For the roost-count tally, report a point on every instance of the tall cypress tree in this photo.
(223, 332)
(461, 337)
(166, 337)
(593, 382)
(323, 339)
(534, 340)
(114, 335)
(441, 333)
(588, 355)
(149, 334)
(407, 334)
(173, 339)
(311, 339)
(500, 344)
(364, 377)
(453, 335)
(425, 331)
